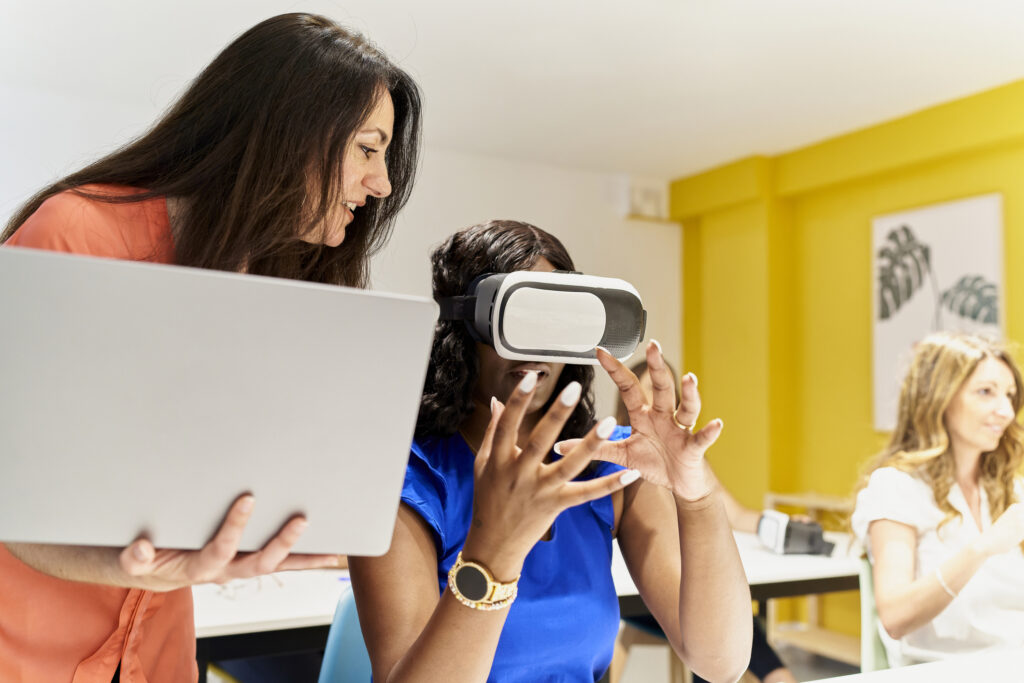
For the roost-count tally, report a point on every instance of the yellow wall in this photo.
(777, 319)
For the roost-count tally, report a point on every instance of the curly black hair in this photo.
(498, 246)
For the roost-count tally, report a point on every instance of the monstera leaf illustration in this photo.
(903, 263)
(973, 297)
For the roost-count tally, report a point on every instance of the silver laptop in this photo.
(141, 398)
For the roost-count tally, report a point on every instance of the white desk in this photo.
(769, 575)
(275, 614)
(292, 611)
(1005, 666)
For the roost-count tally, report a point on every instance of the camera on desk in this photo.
(787, 536)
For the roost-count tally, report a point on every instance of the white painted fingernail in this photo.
(494, 404)
(605, 427)
(557, 448)
(603, 349)
(571, 394)
(629, 476)
(528, 383)
(657, 344)
(693, 377)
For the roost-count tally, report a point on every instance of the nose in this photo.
(1005, 409)
(376, 181)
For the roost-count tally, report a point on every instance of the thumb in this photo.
(137, 558)
(484, 454)
(707, 436)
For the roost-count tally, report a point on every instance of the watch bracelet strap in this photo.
(485, 606)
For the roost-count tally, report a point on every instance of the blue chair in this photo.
(345, 656)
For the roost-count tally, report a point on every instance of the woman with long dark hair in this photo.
(500, 566)
(289, 156)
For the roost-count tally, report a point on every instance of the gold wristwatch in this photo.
(474, 586)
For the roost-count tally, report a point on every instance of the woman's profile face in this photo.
(364, 173)
(499, 376)
(982, 408)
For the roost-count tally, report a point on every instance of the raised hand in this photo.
(219, 560)
(663, 445)
(1005, 534)
(517, 495)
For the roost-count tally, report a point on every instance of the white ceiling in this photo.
(652, 88)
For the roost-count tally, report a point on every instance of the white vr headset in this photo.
(558, 317)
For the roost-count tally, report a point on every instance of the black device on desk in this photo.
(785, 536)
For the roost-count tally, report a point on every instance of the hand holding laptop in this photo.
(219, 560)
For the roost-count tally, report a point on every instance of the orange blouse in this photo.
(57, 631)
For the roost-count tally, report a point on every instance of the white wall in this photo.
(456, 190)
(45, 134)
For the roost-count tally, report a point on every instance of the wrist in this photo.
(979, 550)
(702, 502)
(503, 565)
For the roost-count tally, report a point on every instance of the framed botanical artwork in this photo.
(938, 267)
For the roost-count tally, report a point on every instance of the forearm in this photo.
(458, 644)
(714, 597)
(89, 564)
(905, 610)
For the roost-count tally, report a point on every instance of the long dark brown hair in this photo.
(492, 247)
(254, 148)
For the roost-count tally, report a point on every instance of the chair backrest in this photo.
(345, 657)
(872, 650)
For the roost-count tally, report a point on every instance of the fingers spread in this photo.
(309, 562)
(628, 384)
(576, 459)
(277, 549)
(689, 401)
(506, 432)
(579, 492)
(224, 546)
(703, 439)
(662, 381)
(549, 426)
(484, 454)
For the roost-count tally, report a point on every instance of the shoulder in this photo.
(439, 473)
(438, 488)
(73, 222)
(895, 495)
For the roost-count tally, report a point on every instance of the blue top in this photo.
(563, 624)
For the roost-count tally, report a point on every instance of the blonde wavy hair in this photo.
(920, 443)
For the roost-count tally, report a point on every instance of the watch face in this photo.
(471, 582)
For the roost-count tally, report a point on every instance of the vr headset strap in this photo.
(457, 308)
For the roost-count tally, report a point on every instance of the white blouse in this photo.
(989, 611)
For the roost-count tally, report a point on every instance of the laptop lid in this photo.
(143, 398)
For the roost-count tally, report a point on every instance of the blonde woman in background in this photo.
(940, 510)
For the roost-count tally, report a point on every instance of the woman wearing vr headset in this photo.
(941, 511)
(273, 163)
(500, 564)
